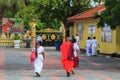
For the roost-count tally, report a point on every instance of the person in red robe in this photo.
(4, 28)
(65, 49)
(7, 26)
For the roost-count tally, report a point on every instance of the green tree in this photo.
(49, 13)
(70, 8)
(10, 7)
(31, 12)
(111, 15)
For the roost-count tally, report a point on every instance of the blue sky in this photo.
(93, 3)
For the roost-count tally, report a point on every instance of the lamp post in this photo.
(33, 30)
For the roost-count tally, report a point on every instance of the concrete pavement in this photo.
(15, 65)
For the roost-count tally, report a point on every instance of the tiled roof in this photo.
(88, 13)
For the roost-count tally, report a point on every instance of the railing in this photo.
(50, 36)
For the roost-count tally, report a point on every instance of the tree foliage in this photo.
(111, 15)
(49, 13)
(8, 8)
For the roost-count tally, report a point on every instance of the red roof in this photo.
(87, 14)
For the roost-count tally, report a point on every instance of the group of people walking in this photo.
(91, 46)
(70, 54)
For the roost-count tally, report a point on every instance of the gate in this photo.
(50, 36)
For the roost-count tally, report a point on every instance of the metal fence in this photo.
(50, 36)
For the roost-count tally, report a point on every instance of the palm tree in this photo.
(11, 6)
(16, 3)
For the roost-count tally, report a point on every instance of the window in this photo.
(91, 29)
(80, 29)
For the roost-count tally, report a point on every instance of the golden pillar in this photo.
(33, 31)
(63, 31)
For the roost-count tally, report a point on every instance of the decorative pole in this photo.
(63, 31)
(33, 31)
(64, 37)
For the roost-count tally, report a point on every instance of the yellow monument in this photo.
(33, 31)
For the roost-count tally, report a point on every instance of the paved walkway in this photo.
(15, 65)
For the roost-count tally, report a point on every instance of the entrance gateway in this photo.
(50, 36)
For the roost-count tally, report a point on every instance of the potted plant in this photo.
(16, 41)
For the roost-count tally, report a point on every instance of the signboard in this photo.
(106, 34)
(91, 29)
(12, 25)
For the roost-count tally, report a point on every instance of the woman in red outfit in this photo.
(65, 49)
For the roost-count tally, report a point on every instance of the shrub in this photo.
(16, 37)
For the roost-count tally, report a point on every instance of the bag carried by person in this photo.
(32, 56)
(76, 62)
(90, 50)
(70, 53)
(70, 58)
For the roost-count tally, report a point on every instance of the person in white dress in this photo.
(78, 40)
(76, 53)
(88, 46)
(94, 46)
(76, 48)
(38, 63)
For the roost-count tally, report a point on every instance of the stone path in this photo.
(15, 65)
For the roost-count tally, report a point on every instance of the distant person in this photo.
(76, 54)
(89, 47)
(73, 38)
(78, 40)
(66, 48)
(94, 46)
(38, 63)
(39, 39)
